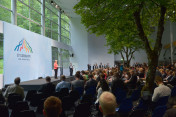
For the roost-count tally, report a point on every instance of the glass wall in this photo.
(1, 53)
(29, 15)
(65, 29)
(5, 10)
(55, 56)
(65, 58)
(51, 21)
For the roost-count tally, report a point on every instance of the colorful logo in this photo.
(23, 44)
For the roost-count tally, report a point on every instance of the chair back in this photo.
(4, 110)
(27, 113)
(12, 99)
(173, 92)
(162, 101)
(74, 94)
(91, 91)
(159, 111)
(41, 106)
(36, 99)
(30, 94)
(67, 103)
(80, 90)
(19, 106)
(63, 92)
(82, 110)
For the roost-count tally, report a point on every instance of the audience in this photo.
(52, 107)
(108, 104)
(62, 84)
(48, 88)
(161, 90)
(105, 80)
(16, 88)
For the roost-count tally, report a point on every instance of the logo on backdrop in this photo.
(23, 47)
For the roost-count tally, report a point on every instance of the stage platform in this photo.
(37, 83)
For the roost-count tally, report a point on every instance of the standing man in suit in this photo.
(55, 68)
(71, 69)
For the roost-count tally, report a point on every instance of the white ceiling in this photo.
(67, 6)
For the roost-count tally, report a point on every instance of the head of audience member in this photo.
(77, 76)
(48, 79)
(104, 85)
(132, 72)
(107, 103)
(102, 76)
(52, 107)
(83, 72)
(90, 76)
(78, 72)
(158, 80)
(63, 77)
(17, 81)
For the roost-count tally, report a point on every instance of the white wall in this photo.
(79, 43)
(97, 51)
(27, 68)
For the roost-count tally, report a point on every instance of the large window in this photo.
(5, 10)
(55, 56)
(65, 29)
(29, 15)
(1, 53)
(65, 58)
(51, 21)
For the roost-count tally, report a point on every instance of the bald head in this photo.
(107, 103)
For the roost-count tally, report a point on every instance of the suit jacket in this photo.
(47, 89)
(90, 83)
(132, 81)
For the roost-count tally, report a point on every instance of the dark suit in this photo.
(47, 89)
(173, 81)
(132, 82)
(90, 83)
(71, 70)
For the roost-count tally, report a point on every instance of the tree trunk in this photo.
(152, 64)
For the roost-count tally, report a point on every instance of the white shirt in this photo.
(160, 91)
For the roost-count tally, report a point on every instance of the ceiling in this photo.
(67, 6)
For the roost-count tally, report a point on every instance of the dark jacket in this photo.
(47, 89)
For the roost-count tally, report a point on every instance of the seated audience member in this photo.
(108, 104)
(52, 107)
(48, 88)
(169, 76)
(91, 82)
(161, 90)
(173, 79)
(103, 87)
(62, 84)
(131, 83)
(16, 88)
(77, 82)
(141, 73)
(81, 77)
(171, 112)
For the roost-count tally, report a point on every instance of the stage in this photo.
(37, 83)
